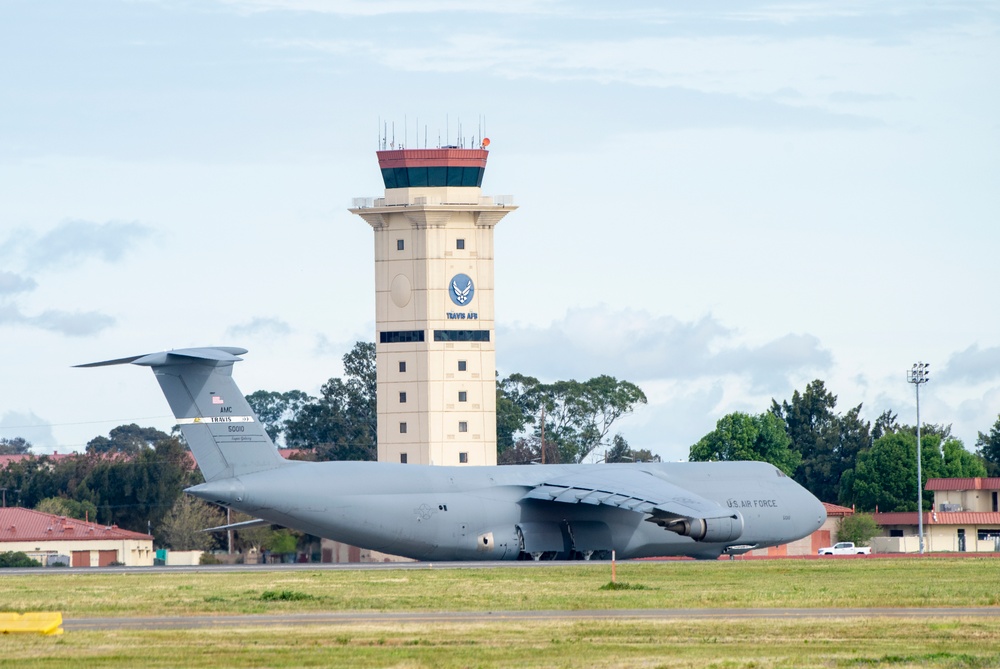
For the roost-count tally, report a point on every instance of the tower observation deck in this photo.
(435, 339)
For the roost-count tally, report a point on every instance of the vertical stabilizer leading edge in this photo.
(222, 430)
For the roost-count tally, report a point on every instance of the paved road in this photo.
(425, 617)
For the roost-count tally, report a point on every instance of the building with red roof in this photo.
(49, 538)
(826, 535)
(965, 518)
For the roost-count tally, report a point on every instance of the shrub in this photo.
(18, 559)
(859, 528)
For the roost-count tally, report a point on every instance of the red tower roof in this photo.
(433, 158)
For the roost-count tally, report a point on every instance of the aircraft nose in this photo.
(816, 514)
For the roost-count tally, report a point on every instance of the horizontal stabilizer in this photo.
(177, 356)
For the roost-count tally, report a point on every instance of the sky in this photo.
(719, 202)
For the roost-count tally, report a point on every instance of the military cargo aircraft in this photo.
(697, 509)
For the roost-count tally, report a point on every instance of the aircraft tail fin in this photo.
(222, 430)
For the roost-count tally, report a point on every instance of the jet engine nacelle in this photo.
(711, 530)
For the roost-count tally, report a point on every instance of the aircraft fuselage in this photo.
(479, 513)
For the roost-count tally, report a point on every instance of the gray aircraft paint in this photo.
(697, 509)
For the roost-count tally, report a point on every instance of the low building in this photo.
(339, 552)
(825, 536)
(966, 518)
(49, 539)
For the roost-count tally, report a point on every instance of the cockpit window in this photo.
(781, 474)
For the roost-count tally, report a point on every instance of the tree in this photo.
(885, 476)
(812, 426)
(829, 443)
(578, 415)
(71, 508)
(342, 423)
(988, 448)
(524, 452)
(15, 446)
(958, 463)
(128, 439)
(282, 542)
(183, 527)
(858, 528)
(31, 480)
(740, 436)
(884, 424)
(644, 455)
(274, 409)
(362, 384)
(136, 491)
(620, 452)
(517, 404)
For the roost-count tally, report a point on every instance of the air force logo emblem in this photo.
(461, 290)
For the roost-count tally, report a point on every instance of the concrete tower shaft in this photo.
(435, 339)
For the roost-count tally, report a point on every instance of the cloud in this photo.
(973, 365)
(852, 97)
(73, 324)
(30, 427)
(73, 242)
(63, 247)
(11, 283)
(770, 365)
(267, 328)
(638, 346)
(382, 7)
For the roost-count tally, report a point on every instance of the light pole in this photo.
(918, 375)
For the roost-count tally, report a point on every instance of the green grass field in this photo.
(838, 642)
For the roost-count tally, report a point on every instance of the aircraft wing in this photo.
(245, 525)
(669, 505)
(630, 489)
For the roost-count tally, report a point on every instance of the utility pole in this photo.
(543, 434)
(919, 375)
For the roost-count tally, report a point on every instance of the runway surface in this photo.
(452, 617)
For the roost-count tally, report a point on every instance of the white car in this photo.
(845, 548)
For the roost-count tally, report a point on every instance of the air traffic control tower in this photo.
(435, 355)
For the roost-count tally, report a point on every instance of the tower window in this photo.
(459, 244)
(399, 244)
(463, 426)
(463, 458)
(402, 458)
(402, 398)
(402, 428)
(402, 365)
(460, 335)
(400, 336)
(462, 396)
(461, 365)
